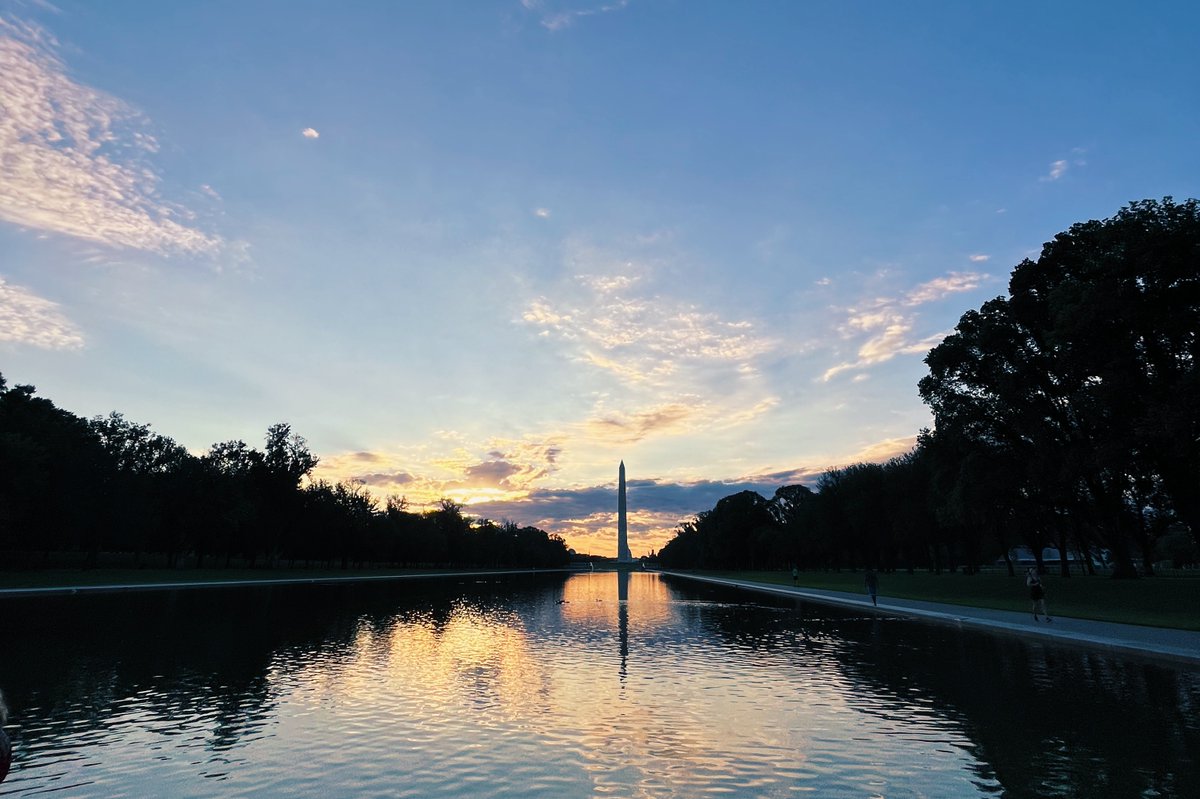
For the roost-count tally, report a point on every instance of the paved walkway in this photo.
(1156, 642)
(356, 578)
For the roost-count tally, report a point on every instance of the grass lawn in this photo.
(1155, 601)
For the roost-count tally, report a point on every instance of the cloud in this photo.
(890, 325)
(542, 213)
(659, 366)
(493, 473)
(628, 428)
(75, 158)
(643, 339)
(310, 133)
(979, 258)
(463, 471)
(953, 283)
(882, 451)
(1057, 170)
(385, 480)
(557, 15)
(26, 318)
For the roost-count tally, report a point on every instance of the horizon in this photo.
(486, 252)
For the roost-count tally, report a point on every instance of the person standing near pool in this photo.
(872, 585)
(1037, 594)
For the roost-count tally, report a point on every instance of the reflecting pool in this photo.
(556, 685)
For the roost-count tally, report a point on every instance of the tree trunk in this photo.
(1064, 566)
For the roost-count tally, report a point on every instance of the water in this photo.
(591, 685)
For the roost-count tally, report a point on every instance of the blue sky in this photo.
(487, 250)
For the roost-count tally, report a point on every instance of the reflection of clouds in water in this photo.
(623, 693)
(490, 688)
(473, 661)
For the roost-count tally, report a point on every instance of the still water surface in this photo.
(588, 685)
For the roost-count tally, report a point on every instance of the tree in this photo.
(143, 511)
(53, 471)
(1086, 374)
(286, 460)
(232, 468)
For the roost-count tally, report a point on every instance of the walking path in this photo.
(1157, 642)
(357, 578)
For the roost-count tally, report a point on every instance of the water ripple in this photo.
(581, 688)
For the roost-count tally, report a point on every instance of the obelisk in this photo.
(623, 555)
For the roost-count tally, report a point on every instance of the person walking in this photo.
(1037, 593)
(795, 576)
(872, 586)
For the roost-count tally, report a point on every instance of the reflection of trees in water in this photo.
(1050, 721)
(202, 659)
(1045, 720)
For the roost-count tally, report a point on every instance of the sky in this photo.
(489, 250)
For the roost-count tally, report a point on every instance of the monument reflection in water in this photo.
(566, 686)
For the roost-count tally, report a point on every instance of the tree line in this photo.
(85, 488)
(1066, 414)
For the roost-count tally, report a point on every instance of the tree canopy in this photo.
(73, 488)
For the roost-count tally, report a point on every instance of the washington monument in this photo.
(623, 555)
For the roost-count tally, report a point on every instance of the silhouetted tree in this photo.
(1086, 375)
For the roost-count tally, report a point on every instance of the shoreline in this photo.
(1179, 646)
(68, 590)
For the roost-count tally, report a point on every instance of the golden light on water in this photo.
(588, 685)
(603, 705)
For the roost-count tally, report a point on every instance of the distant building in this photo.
(1023, 556)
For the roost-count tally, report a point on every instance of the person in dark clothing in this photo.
(1037, 593)
(872, 586)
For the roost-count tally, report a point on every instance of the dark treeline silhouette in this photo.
(82, 488)
(1066, 414)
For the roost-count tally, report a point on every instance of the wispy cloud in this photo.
(1057, 170)
(939, 287)
(979, 258)
(542, 213)
(630, 427)
(885, 450)
(26, 318)
(639, 338)
(310, 133)
(888, 323)
(1061, 166)
(660, 366)
(555, 15)
(74, 158)
(449, 467)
